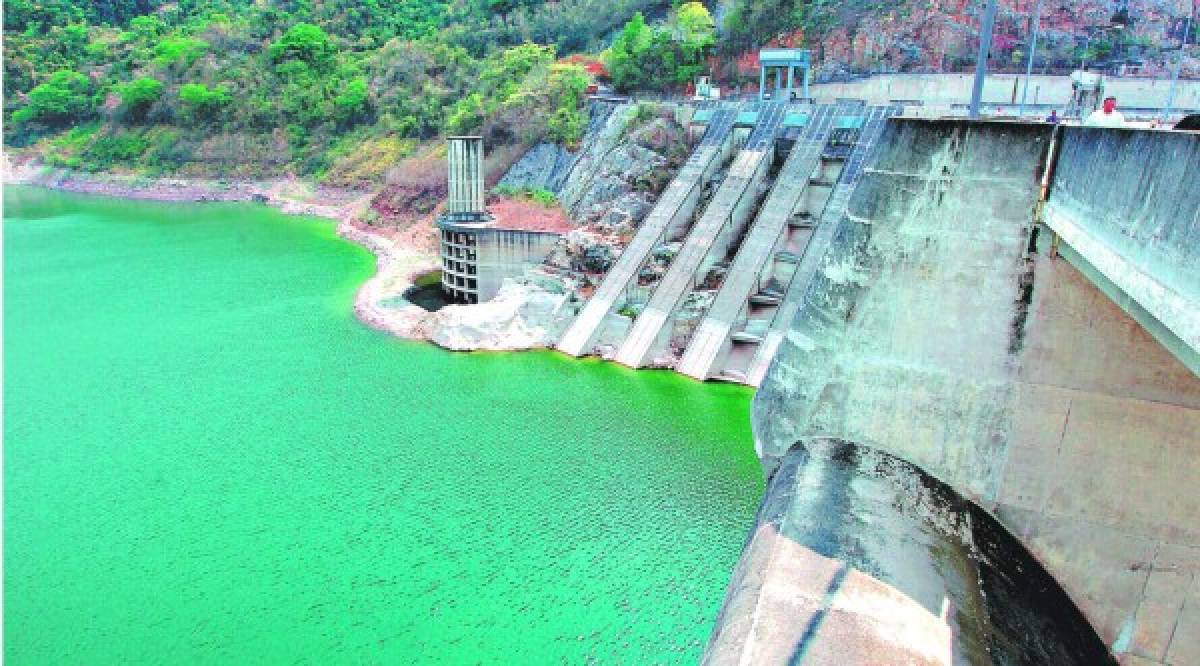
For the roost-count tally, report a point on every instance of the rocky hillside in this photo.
(629, 154)
(853, 37)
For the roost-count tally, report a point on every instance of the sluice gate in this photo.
(677, 203)
(703, 246)
(707, 284)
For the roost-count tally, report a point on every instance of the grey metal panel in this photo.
(578, 338)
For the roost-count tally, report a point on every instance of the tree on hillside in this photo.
(63, 98)
(753, 23)
(567, 86)
(179, 52)
(306, 42)
(696, 27)
(670, 54)
(351, 102)
(139, 95)
(625, 56)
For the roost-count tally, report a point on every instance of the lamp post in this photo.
(985, 45)
(1037, 22)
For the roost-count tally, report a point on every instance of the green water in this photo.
(207, 459)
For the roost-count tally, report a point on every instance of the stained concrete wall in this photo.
(940, 331)
(998, 89)
(1128, 204)
(858, 557)
(506, 253)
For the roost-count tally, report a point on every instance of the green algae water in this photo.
(207, 459)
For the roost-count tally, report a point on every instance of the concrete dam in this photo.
(977, 352)
(1010, 309)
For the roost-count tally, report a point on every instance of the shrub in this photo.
(466, 115)
(540, 195)
(163, 149)
(64, 97)
(179, 52)
(139, 94)
(356, 163)
(65, 149)
(198, 100)
(121, 147)
(147, 26)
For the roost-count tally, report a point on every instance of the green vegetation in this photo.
(665, 56)
(139, 94)
(629, 310)
(180, 53)
(537, 194)
(64, 97)
(332, 89)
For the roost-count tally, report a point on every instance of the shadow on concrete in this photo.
(860, 557)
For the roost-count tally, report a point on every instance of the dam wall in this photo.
(1128, 205)
(945, 328)
(1004, 89)
(858, 557)
(507, 253)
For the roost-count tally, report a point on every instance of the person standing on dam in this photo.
(1106, 116)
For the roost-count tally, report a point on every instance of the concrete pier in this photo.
(858, 557)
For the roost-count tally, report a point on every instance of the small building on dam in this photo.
(476, 252)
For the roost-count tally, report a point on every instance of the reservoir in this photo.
(208, 459)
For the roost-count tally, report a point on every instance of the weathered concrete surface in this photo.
(676, 204)
(935, 332)
(1138, 227)
(707, 240)
(858, 557)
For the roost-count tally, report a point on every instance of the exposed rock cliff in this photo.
(520, 316)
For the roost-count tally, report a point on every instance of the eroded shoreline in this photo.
(379, 303)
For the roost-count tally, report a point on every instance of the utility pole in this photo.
(985, 46)
(1187, 30)
(1037, 23)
